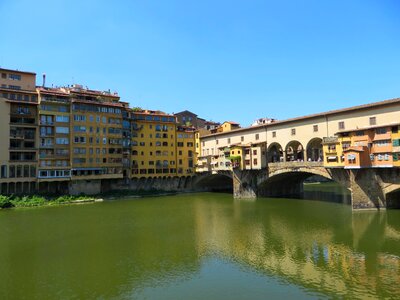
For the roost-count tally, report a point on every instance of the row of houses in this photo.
(72, 133)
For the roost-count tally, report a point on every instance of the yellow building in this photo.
(153, 144)
(18, 131)
(332, 148)
(96, 134)
(226, 126)
(186, 150)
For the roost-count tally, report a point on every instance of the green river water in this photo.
(200, 246)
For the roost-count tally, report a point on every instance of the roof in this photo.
(152, 112)
(313, 116)
(78, 90)
(51, 91)
(17, 71)
(231, 122)
(355, 148)
(117, 104)
(185, 112)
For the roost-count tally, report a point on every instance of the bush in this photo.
(28, 201)
(5, 202)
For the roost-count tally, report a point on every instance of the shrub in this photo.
(5, 202)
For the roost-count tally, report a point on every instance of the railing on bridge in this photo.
(296, 164)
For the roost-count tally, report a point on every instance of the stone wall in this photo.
(88, 187)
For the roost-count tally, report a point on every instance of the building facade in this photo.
(19, 131)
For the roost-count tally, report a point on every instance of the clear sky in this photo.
(223, 60)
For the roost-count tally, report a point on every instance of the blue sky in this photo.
(224, 60)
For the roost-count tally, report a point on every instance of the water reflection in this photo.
(199, 246)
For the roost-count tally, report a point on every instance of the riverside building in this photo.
(159, 147)
(73, 139)
(18, 131)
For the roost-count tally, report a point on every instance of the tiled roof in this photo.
(312, 116)
(17, 71)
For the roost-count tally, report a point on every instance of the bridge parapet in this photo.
(295, 164)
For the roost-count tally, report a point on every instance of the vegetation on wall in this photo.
(34, 200)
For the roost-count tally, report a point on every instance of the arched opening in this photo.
(393, 199)
(215, 183)
(304, 185)
(294, 151)
(314, 150)
(274, 153)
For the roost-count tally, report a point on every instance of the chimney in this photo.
(44, 79)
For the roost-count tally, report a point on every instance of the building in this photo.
(188, 118)
(153, 149)
(18, 131)
(126, 139)
(315, 138)
(54, 138)
(262, 121)
(186, 152)
(96, 134)
(226, 126)
(367, 147)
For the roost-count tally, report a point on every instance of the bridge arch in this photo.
(275, 152)
(294, 151)
(221, 181)
(287, 179)
(314, 150)
(392, 195)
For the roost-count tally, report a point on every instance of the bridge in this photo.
(370, 188)
(358, 147)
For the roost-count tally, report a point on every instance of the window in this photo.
(315, 128)
(360, 133)
(255, 152)
(372, 121)
(62, 141)
(242, 138)
(273, 134)
(14, 77)
(79, 118)
(229, 141)
(255, 161)
(62, 119)
(216, 142)
(3, 171)
(257, 136)
(341, 125)
(293, 131)
(381, 130)
(64, 130)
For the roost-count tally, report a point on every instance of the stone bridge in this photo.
(371, 188)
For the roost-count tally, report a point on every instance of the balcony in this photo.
(46, 123)
(23, 121)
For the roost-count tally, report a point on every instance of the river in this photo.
(199, 246)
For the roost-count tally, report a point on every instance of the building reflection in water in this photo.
(319, 246)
